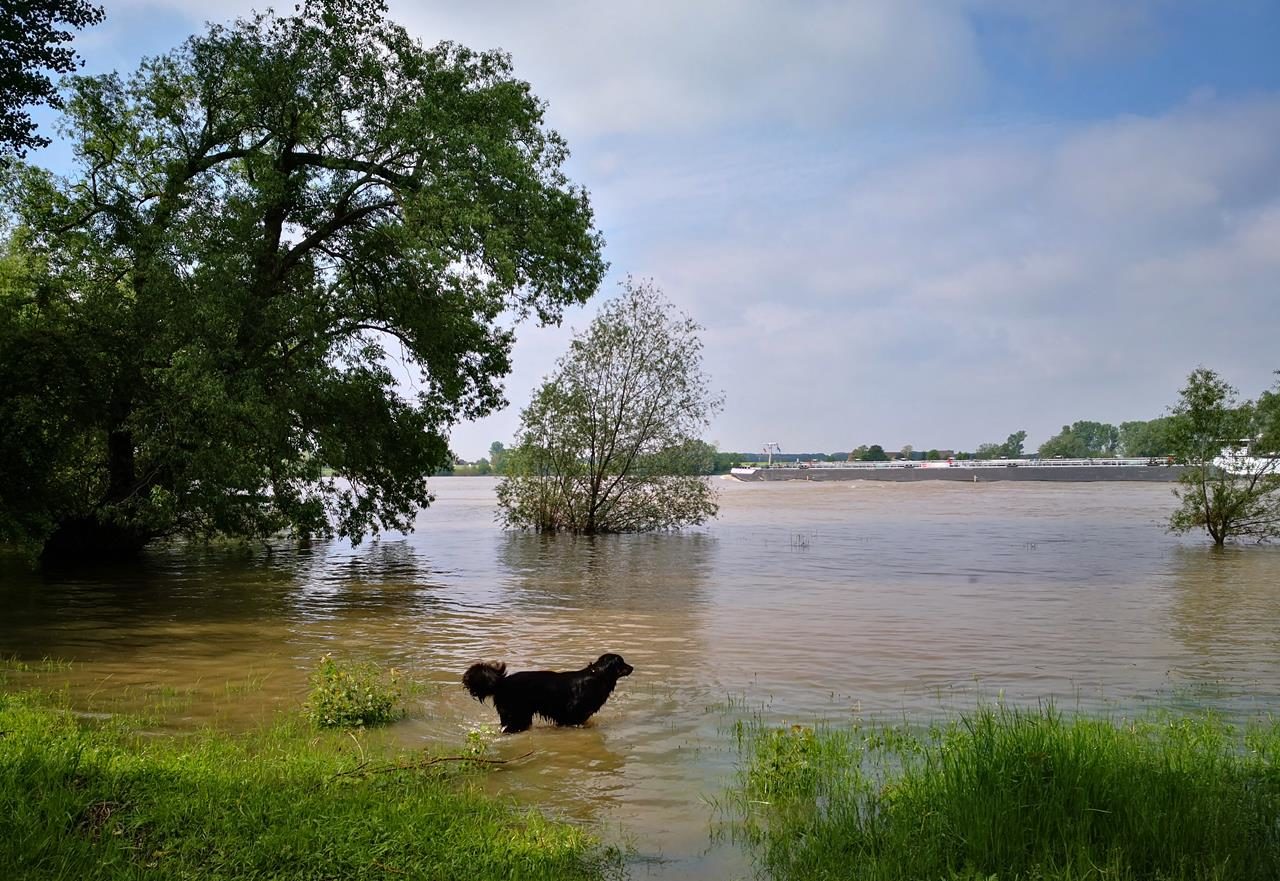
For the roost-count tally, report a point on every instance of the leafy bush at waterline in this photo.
(1015, 795)
(346, 694)
(102, 802)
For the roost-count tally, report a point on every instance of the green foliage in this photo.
(264, 221)
(498, 457)
(1083, 440)
(723, 462)
(31, 38)
(346, 694)
(1234, 495)
(478, 468)
(1015, 795)
(609, 442)
(874, 453)
(102, 803)
(1013, 445)
(1010, 449)
(1153, 438)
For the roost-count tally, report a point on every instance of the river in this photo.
(803, 601)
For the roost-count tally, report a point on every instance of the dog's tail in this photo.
(482, 679)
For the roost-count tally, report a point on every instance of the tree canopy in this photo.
(1152, 438)
(290, 246)
(1083, 440)
(609, 442)
(32, 47)
(1232, 487)
(1010, 449)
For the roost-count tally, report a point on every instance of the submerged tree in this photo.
(198, 333)
(31, 38)
(1232, 484)
(609, 443)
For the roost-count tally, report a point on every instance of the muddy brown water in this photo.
(803, 601)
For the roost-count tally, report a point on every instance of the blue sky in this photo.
(931, 223)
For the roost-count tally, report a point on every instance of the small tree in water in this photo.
(609, 443)
(1232, 487)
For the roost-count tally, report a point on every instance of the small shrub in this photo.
(352, 695)
(479, 740)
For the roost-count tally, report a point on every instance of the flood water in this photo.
(803, 601)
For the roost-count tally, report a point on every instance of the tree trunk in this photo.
(122, 476)
(86, 539)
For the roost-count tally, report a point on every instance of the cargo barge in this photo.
(972, 471)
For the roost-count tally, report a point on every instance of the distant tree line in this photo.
(1080, 440)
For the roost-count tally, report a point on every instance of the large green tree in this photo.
(1232, 484)
(609, 442)
(32, 38)
(295, 243)
(1152, 438)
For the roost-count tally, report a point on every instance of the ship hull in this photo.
(975, 474)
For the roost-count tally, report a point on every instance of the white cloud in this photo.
(1037, 276)
(624, 68)
(609, 68)
(871, 264)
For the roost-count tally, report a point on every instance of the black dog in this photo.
(563, 698)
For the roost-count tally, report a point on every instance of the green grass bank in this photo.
(103, 800)
(1004, 794)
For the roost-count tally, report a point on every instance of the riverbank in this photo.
(1013, 795)
(103, 799)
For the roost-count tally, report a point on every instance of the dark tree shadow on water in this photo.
(200, 589)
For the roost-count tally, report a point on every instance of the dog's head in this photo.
(611, 665)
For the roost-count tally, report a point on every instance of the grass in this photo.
(106, 801)
(1003, 794)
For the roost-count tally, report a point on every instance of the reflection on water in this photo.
(1226, 612)
(807, 599)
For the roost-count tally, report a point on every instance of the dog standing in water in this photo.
(568, 698)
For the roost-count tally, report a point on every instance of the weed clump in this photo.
(1014, 795)
(347, 694)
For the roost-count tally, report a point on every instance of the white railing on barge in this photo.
(959, 463)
